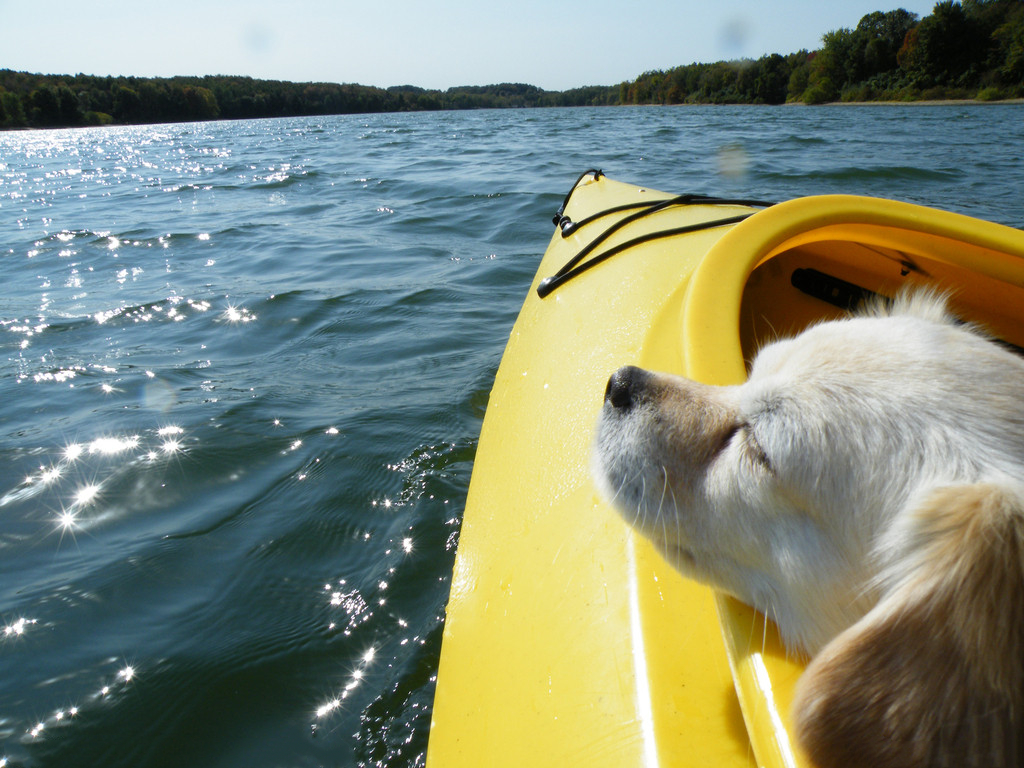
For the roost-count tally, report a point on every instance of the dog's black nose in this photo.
(624, 387)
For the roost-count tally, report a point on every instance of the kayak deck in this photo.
(568, 639)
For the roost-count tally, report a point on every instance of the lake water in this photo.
(243, 366)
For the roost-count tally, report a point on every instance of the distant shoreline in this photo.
(917, 102)
(910, 103)
(35, 101)
(878, 103)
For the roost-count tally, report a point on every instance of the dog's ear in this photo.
(934, 674)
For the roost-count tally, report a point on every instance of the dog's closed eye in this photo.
(727, 437)
(742, 433)
(754, 449)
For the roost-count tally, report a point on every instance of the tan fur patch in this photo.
(933, 675)
(692, 417)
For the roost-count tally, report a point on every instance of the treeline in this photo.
(968, 49)
(503, 96)
(972, 49)
(48, 101)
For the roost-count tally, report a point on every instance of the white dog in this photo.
(865, 489)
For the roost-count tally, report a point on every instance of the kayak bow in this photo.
(568, 640)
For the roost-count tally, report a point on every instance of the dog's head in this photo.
(804, 491)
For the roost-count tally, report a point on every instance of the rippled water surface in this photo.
(242, 371)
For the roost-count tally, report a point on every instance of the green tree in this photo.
(201, 103)
(833, 67)
(1009, 38)
(67, 103)
(45, 107)
(880, 37)
(13, 110)
(771, 79)
(946, 48)
(127, 105)
(799, 80)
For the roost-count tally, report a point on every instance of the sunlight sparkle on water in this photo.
(109, 446)
(86, 494)
(354, 681)
(324, 709)
(66, 520)
(171, 446)
(17, 629)
(238, 315)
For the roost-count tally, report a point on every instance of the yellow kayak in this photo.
(568, 640)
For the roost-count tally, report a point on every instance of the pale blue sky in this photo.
(395, 42)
